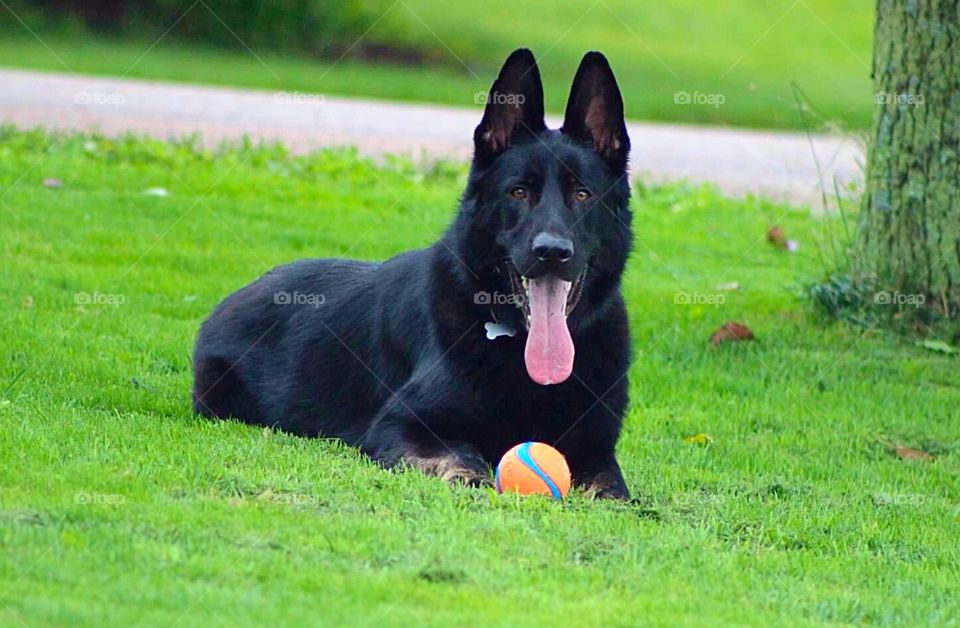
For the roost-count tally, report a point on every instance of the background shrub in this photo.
(315, 27)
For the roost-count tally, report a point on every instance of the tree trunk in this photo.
(910, 218)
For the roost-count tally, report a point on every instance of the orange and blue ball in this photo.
(533, 468)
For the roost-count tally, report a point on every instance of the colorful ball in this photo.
(534, 468)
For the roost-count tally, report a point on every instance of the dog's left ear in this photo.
(595, 111)
(514, 107)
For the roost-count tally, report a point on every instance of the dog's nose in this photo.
(552, 248)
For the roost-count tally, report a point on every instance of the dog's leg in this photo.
(455, 462)
(589, 446)
(601, 479)
(409, 432)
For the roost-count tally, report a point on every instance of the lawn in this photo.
(119, 506)
(737, 60)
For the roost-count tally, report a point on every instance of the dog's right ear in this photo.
(514, 107)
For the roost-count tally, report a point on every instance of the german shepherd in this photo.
(510, 328)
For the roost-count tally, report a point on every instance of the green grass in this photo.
(750, 53)
(119, 506)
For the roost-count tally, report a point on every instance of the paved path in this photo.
(778, 165)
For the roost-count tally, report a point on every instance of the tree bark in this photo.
(910, 216)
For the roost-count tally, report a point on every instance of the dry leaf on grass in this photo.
(53, 184)
(908, 453)
(698, 439)
(731, 332)
(778, 238)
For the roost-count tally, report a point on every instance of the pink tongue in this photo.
(549, 350)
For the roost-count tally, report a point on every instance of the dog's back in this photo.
(284, 341)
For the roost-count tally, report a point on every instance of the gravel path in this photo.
(778, 165)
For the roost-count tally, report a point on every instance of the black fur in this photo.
(393, 357)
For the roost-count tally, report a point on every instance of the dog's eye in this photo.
(582, 194)
(519, 192)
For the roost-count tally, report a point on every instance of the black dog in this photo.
(446, 357)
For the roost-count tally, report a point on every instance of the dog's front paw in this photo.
(607, 485)
(468, 477)
(456, 467)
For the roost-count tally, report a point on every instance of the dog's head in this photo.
(550, 208)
